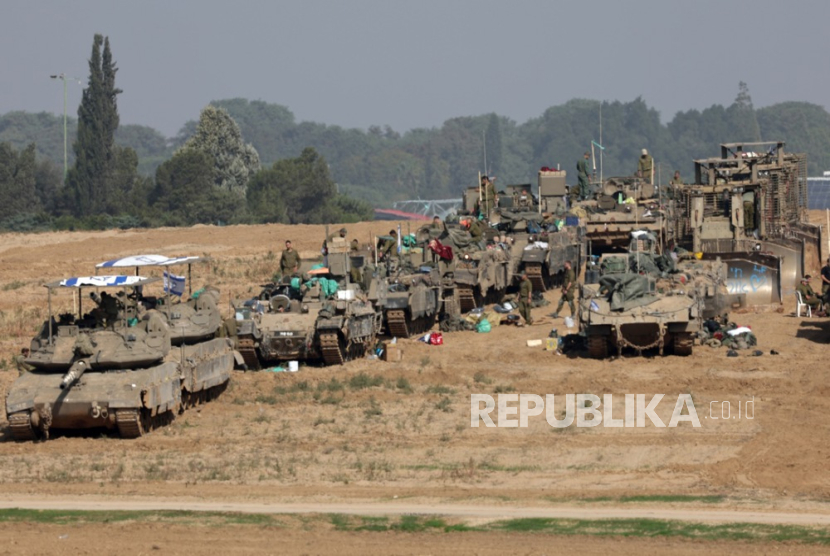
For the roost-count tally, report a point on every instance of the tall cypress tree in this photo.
(91, 179)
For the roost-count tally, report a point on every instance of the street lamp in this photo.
(63, 78)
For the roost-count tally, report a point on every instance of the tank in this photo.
(193, 318)
(646, 300)
(94, 370)
(325, 318)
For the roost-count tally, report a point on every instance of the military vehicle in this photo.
(748, 207)
(113, 367)
(194, 320)
(645, 300)
(317, 319)
(419, 287)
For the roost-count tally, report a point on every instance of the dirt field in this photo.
(334, 435)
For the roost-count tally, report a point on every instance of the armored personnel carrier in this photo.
(109, 368)
(317, 319)
(419, 289)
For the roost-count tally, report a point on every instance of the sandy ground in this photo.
(278, 437)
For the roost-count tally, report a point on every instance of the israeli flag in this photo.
(173, 284)
(595, 306)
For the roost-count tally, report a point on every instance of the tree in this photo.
(18, 183)
(185, 193)
(300, 191)
(90, 181)
(219, 137)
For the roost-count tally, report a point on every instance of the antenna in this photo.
(484, 144)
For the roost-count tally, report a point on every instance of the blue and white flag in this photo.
(594, 306)
(176, 284)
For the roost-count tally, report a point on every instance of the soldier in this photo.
(825, 282)
(525, 297)
(107, 311)
(355, 273)
(808, 296)
(676, 180)
(20, 362)
(436, 224)
(645, 166)
(568, 289)
(584, 175)
(476, 229)
(290, 260)
(489, 198)
(389, 249)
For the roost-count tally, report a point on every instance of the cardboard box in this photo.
(392, 353)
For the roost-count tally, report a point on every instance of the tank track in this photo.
(451, 306)
(598, 347)
(466, 298)
(20, 425)
(534, 274)
(399, 325)
(247, 350)
(331, 348)
(129, 423)
(683, 344)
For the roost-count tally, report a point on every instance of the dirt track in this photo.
(279, 438)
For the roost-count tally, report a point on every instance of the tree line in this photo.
(250, 161)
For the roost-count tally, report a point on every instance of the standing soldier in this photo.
(436, 224)
(488, 196)
(525, 298)
(645, 166)
(290, 260)
(355, 273)
(676, 180)
(568, 289)
(584, 175)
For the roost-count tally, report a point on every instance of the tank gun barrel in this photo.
(74, 373)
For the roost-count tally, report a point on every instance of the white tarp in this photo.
(147, 260)
(101, 281)
(137, 260)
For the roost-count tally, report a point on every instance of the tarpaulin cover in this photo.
(626, 291)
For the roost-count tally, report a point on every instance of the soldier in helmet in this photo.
(645, 166)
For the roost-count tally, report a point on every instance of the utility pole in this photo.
(63, 78)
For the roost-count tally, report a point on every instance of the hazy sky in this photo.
(412, 64)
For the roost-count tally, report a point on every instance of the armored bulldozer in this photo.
(113, 367)
(646, 300)
(319, 319)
